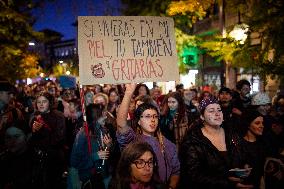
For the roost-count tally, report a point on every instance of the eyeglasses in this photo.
(140, 163)
(150, 116)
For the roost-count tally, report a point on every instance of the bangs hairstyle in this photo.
(132, 152)
(138, 113)
(48, 96)
(142, 107)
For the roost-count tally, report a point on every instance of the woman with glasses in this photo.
(147, 120)
(137, 168)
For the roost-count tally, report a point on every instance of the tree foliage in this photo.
(145, 7)
(188, 12)
(185, 14)
(267, 18)
(15, 34)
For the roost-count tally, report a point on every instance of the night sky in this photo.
(60, 15)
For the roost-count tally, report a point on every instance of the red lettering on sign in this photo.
(130, 69)
(96, 49)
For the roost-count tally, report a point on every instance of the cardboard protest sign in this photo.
(124, 49)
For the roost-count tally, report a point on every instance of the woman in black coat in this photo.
(47, 141)
(208, 152)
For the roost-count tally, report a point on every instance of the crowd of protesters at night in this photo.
(128, 136)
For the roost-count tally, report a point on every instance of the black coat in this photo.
(203, 166)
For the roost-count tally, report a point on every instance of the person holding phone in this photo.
(47, 141)
(91, 151)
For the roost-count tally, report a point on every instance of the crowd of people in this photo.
(131, 137)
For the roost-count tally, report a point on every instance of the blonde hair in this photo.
(104, 96)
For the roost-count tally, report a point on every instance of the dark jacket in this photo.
(203, 166)
(48, 145)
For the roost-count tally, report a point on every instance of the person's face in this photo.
(277, 128)
(52, 91)
(98, 89)
(149, 121)
(213, 115)
(206, 95)
(194, 94)
(102, 119)
(113, 97)
(172, 103)
(256, 126)
(89, 98)
(72, 107)
(4, 97)
(245, 90)
(142, 91)
(188, 95)
(156, 93)
(263, 109)
(68, 95)
(42, 104)
(142, 168)
(225, 97)
(27, 90)
(100, 100)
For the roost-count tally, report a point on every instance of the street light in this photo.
(68, 72)
(239, 33)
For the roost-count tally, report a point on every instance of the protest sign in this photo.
(124, 49)
(67, 82)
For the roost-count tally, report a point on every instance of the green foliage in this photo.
(15, 33)
(184, 41)
(183, 20)
(220, 48)
(267, 18)
(145, 7)
(188, 12)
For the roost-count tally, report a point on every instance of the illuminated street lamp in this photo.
(68, 72)
(239, 33)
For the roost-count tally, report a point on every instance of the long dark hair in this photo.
(93, 113)
(136, 92)
(132, 152)
(181, 106)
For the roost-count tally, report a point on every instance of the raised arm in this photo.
(124, 107)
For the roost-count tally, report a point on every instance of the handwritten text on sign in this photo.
(126, 49)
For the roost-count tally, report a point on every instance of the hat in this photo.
(205, 102)
(225, 89)
(260, 98)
